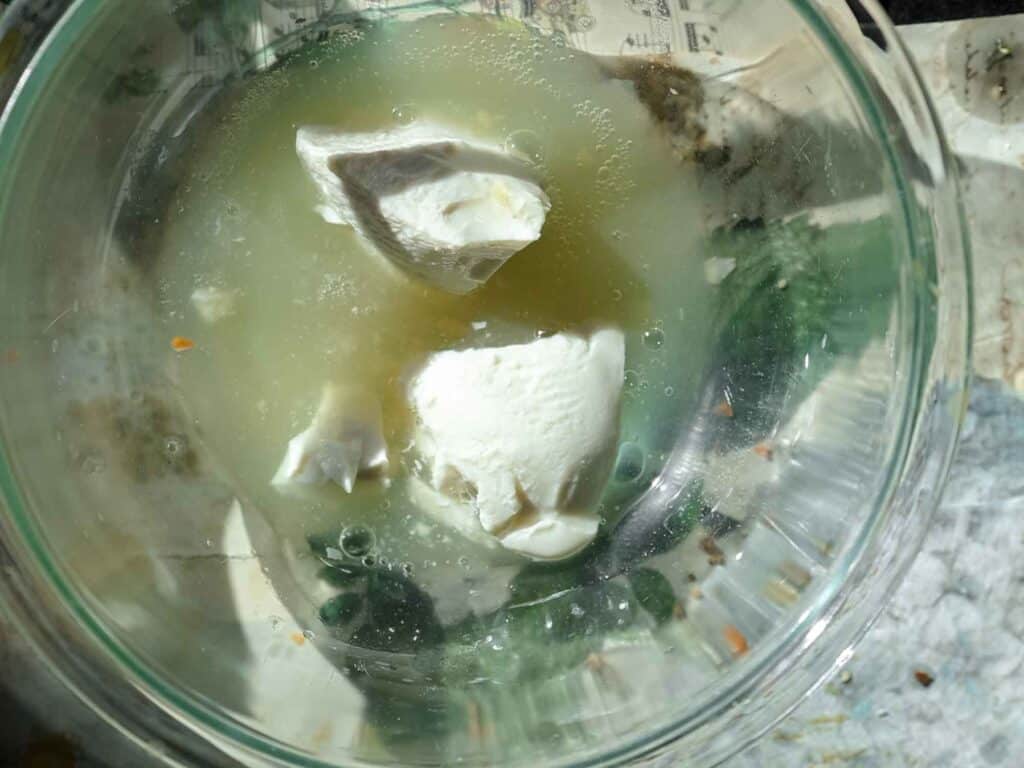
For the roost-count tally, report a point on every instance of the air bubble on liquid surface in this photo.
(356, 541)
(653, 338)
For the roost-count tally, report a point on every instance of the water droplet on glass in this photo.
(406, 569)
(209, 543)
(308, 634)
(576, 610)
(369, 561)
(669, 391)
(653, 338)
(631, 379)
(616, 294)
(464, 562)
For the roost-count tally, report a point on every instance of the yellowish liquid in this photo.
(315, 305)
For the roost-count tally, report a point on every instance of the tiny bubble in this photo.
(404, 113)
(356, 541)
(174, 447)
(653, 338)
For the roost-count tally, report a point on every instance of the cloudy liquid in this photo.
(316, 305)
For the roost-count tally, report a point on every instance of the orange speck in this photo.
(737, 642)
(724, 408)
(765, 451)
(924, 679)
(181, 344)
(298, 638)
(11, 356)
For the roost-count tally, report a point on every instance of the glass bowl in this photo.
(798, 469)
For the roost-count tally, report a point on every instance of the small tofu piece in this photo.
(446, 208)
(344, 441)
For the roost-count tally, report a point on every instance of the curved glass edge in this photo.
(942, 338)
(822, 639)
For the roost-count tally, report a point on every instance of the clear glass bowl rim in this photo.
(164, 720)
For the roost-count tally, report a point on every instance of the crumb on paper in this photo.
(182, 344)
(298, 638)
(924, 679)
(765, 451)
(724, 408)
(737, 642)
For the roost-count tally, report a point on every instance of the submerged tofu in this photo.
(214, 304)
(344, 440)
(521, 439)
(446, 208)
